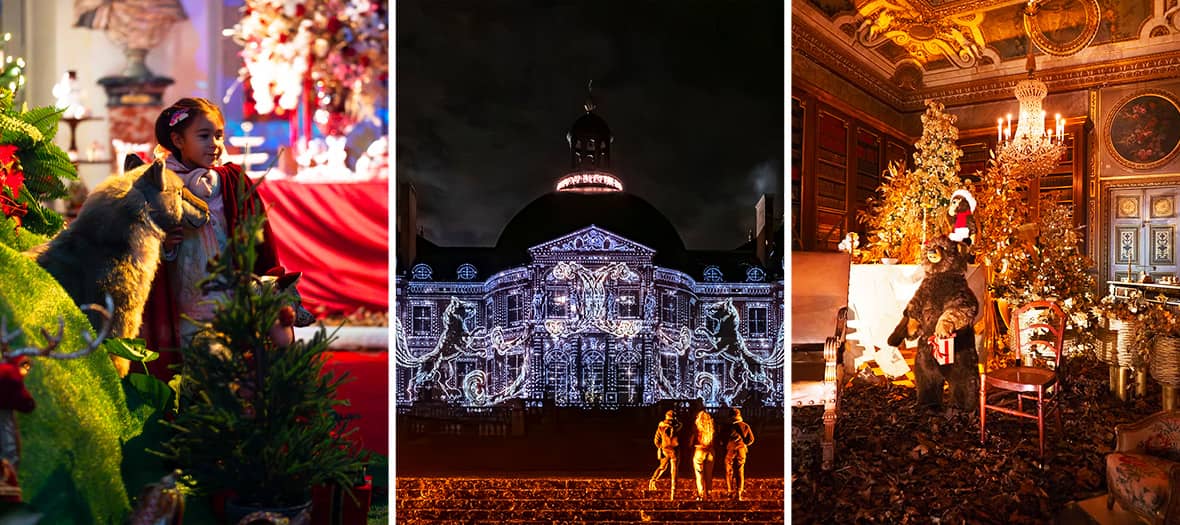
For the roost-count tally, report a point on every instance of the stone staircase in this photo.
(447, 501)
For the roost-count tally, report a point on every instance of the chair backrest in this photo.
(1038, 329)
(819, 289)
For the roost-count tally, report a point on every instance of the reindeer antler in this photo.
(52, 341)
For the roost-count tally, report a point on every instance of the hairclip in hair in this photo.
(177, 117)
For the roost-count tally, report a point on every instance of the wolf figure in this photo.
(113, 246)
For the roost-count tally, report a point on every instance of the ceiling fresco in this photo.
(952, 42)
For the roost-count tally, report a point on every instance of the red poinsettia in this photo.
(11, 177)
(11, 180)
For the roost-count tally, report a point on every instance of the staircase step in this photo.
(595, 515)
(579, 494)
(418, 521)
(570, 483)
(590, 500)
(685, 502)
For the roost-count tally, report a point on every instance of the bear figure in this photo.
(943, 306)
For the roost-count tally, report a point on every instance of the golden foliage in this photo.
(910, 205)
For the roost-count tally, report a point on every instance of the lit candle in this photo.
(999, 130)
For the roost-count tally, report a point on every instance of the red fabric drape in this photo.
(337, 234)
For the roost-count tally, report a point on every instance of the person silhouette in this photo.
(702, 458)
(666, 442)
(740, 438)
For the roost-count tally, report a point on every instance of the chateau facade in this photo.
(590, 299)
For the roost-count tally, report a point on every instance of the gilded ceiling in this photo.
(923, 48)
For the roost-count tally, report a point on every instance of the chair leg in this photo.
(829, 441)
(1041, 422)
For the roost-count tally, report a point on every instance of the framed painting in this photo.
(1143, 130)
(1069, 28)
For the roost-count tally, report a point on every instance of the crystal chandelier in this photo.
(1032, 150)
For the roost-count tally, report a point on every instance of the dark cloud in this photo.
(692, 90)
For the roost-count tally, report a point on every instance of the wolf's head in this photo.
(168, 203)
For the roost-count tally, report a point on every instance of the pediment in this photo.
(591, 239)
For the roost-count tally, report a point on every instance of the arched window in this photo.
(713, 274)
(421, 272)
(755, 275)
(466, 272)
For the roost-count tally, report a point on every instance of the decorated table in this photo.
(337, 234)
(877, 295)
(1151, 291)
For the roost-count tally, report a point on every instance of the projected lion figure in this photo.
(746, 369)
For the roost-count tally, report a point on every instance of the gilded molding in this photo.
(857, 71)
(806, 41)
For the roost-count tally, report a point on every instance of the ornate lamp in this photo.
(1032, 150)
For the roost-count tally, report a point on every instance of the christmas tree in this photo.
(254, 417)
(912, 203)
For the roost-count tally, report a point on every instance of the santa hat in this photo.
(966, 195)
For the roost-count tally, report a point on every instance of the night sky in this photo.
(692, 91)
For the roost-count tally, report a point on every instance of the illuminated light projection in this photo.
(726, 341)
(606, 330)
(436, 368)
(590, 182)
(592, 291)
(567, 312)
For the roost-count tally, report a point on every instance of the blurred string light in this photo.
(12, 69)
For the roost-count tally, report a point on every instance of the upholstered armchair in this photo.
(1143, 472)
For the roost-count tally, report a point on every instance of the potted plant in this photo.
(1159, 344)
(255, 419)
(1125, 315)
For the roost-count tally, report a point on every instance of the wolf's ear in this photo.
(132, 161)
(155, 174)
(289, 279)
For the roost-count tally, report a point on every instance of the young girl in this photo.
(702, 458)
(191, 133)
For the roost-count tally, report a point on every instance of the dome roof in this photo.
(590, 125)
(559, 213)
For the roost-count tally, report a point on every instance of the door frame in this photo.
(1107, 187)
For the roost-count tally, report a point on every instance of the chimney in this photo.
(407, 224)
(763, 227)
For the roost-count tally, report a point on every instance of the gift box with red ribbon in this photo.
(944, 350)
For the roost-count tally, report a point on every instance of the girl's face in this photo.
(202, 143)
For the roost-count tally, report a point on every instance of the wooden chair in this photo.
(819, 299)
(1037, 343)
